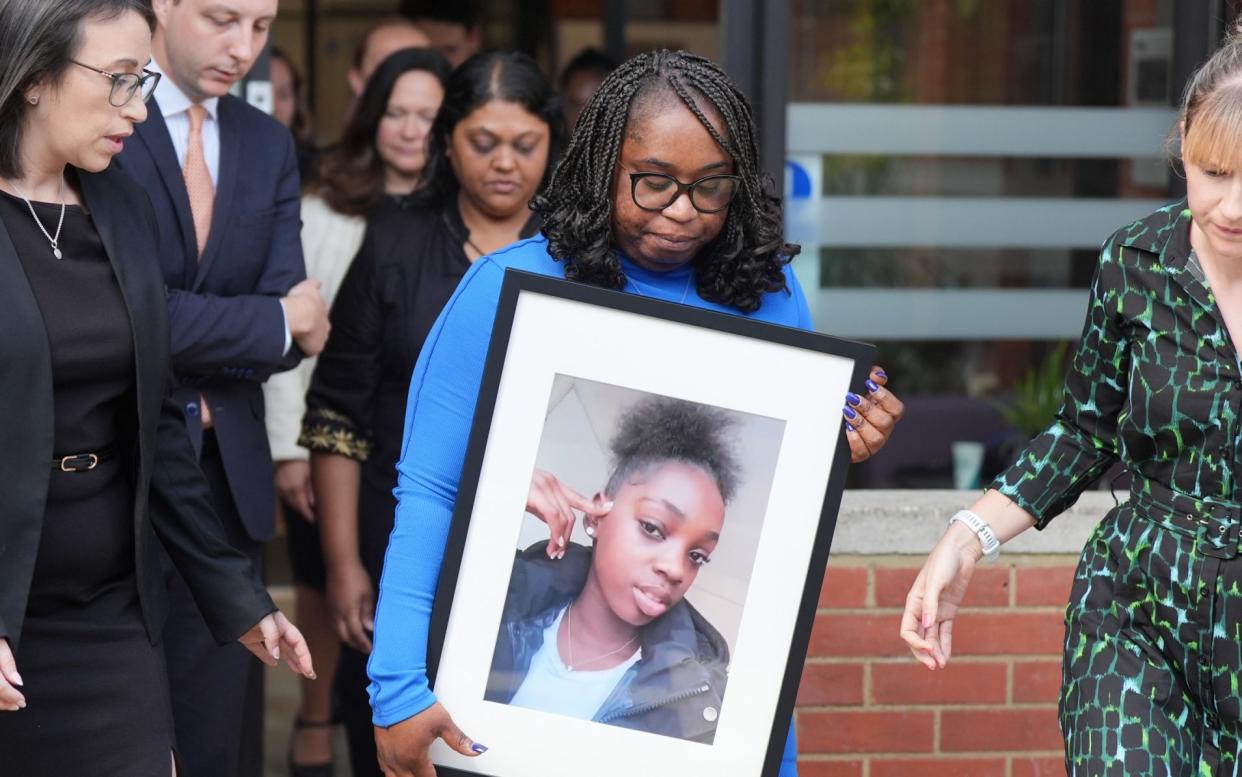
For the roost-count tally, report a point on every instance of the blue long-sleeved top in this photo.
(438, 416)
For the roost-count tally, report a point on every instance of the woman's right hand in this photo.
(934, 599)
(11, 699)
(553, 502)
(351, 604)
(403, 747)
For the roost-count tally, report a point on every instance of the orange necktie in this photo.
(198, 178)
(202, 197)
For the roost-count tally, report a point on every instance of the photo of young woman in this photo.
(596, 623)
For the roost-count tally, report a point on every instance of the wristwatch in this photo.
(987, 537)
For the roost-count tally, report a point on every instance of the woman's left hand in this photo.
(275, 636)
(871, 417)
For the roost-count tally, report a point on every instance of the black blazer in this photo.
(172, 501)
(226, 324)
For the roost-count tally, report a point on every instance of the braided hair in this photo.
(744, 261)
(658, 430)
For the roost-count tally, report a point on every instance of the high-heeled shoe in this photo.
(309, 770)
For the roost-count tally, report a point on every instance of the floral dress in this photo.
(1152, 645)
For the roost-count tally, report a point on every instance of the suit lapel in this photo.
(154, 135)
(226, 182)
(18, 298)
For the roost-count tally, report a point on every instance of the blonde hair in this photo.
(1211, 114)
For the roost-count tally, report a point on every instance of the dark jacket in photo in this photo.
(675, 689)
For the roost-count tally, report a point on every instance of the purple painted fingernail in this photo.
(872, 386)
(853, 398)
(849, 412)
(480, 749)
(848, 429)
(881, 374)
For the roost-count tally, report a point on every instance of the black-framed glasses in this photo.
(126, 85)
(709, 194)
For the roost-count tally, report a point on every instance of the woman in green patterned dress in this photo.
(1152, 647)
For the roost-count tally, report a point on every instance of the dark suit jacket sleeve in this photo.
(225, 587)
(244, 336)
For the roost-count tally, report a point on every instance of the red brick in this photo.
(961, 682)
(858, 635)
(989, 586)
(1044, 586)
(938, 767)
(859, 731)
(831, 684)
(1000, 633)
(1038, 767)
(830, 768)
(1036, 681)
(844, 587)
(999, 729)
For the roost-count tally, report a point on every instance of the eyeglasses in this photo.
(657, 191)
(126, 85)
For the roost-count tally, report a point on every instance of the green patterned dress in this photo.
(1153, 643)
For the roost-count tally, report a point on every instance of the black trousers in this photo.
(351, 692)
(217, 691)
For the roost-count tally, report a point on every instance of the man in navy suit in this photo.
(223, 179)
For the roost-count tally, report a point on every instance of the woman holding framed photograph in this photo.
(659, 194)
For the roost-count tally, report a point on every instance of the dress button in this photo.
(1204, 590)
(191, 409)
(710, 714)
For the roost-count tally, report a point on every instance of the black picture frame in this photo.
(519, 288)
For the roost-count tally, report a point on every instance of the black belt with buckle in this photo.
(83, 462)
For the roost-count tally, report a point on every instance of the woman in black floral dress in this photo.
(1153, 647)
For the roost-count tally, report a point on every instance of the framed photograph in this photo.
(643, 521)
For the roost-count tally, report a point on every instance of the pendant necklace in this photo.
(569, 638)
(54, 240)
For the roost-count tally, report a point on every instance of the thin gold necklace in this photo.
(569, 637)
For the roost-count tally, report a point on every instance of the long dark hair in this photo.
(490, 75)
(351, 175)
(37, 38)
(746, 259)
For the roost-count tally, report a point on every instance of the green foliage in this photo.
(1037, 397)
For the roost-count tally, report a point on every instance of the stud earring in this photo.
(590, 531)
(33, 99)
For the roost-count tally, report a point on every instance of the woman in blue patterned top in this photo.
(659, 194)
(1152, 649)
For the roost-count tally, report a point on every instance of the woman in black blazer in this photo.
(98, 482)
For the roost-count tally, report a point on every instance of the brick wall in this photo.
(866, 709)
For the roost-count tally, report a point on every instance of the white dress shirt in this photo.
(176, 109)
